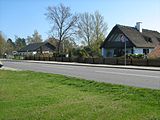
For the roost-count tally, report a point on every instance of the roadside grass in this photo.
(33, 95)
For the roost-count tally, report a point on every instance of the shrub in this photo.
(139, 56)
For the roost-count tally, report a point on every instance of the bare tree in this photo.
(19, 42)
(100, 27)
(85, 26)
(63, 22)
(36, 38)
(92, 29)
(10, 46)
(99, 31)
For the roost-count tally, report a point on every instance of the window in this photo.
(145, 51)
(132, 51)
(148, 39)
(158, 39)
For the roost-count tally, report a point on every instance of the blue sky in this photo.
(22, 17)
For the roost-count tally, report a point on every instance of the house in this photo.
(34, 48)
(155, 53)
(134, 40)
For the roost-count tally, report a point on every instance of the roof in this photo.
(35, 46)
(146, 39)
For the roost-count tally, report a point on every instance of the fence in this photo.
(109, 61)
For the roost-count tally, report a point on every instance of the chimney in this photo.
(139, 26)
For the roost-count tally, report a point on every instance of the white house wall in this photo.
(34, 52)
(138, 50)
(150, 49)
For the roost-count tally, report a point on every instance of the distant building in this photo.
(34, 48)
(138, 41)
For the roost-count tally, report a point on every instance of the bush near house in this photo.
(138, 56)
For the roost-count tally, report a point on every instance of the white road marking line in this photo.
(126, 74)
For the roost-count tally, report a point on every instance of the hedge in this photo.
(109, 61)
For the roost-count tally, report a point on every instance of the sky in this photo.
(22, 17)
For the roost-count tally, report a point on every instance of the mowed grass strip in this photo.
(31, 95)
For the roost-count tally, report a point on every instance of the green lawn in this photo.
(26, 95)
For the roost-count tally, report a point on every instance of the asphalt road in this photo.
(138, 78)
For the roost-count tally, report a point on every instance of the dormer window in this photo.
(158, 39)
(148, 39)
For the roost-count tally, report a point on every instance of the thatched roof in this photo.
(144, 39)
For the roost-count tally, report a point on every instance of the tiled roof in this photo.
(155, 53)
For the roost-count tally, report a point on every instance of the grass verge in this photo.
(32, 95)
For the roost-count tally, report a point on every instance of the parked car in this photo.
(1, 64)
